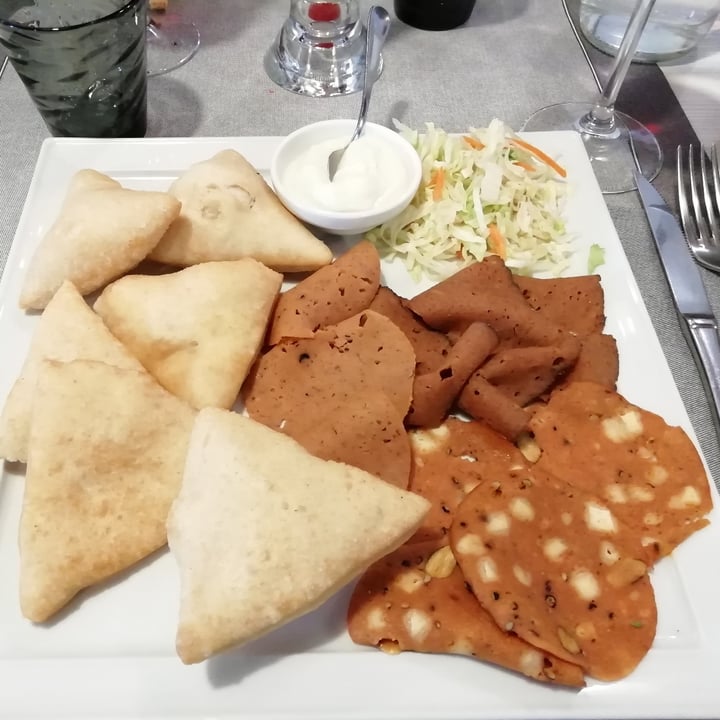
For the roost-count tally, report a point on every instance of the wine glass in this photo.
(616, 143)
(170, 41)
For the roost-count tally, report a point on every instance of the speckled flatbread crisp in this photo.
(263, 531)
(483, 401)
(359, 428)
(354, 375)
(67, 330)
(449, 462)
(598, 362)
(106, 455)
(553, 565)
(197, 331)
(648, 472)
(431, 347)
(365, 351)
(574, 303)
(229, 212)
(435, 391)
(102, 231)
(485, 292)
(524, 373)
(416, 599)
(328, 296)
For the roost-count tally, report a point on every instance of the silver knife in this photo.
(697, 320)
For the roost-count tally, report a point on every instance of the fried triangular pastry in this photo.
(102, 231)
(198, 330)
(67, 330)
(263, 532)
(107, 449)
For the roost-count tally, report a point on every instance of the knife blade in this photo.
(697, 320)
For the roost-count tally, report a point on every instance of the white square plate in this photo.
(111, 654)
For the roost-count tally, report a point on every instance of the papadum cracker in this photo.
(552, 565)
(431, 346)
(485, 292)
(354, 375)
(416, 599)
(328, 296)
(435, 391)
(574, 303)
(649, 472)
(449, 462)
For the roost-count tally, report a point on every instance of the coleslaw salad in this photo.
(485, 192)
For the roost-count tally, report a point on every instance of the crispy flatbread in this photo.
(329, 296)
(435, 391)
(229, 212)
(417, 599)
(549, 563)
(106, 454)
(67, 330)
(359, 428)
(103, 230)
(431, 347)
(598, 362)
(574, 303)
(342, 394)
(449, 462)
(264, 532)
(489, 404)
(650, 473)
(525, 373)
(198, 330)
(485, 292)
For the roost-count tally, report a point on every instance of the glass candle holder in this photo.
(320, 49)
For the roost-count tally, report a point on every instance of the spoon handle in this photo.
(378, 26)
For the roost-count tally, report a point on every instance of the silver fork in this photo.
(699, 201)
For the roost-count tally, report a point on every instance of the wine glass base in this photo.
(615, 155)
(170, 44)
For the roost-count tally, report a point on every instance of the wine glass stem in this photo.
(601, 119)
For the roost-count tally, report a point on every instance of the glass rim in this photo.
(63, 28)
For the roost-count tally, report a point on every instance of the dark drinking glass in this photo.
(434, 14)
(82, 62)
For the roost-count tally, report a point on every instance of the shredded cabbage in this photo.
(480, 194)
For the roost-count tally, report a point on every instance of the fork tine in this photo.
(715, 163)
(691, 234)
(702, 226)
(707, 184)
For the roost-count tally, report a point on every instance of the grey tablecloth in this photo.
(511, 58)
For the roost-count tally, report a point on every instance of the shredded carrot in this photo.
(437, 180)
(540, 155)
(524, 165)
(496, 241)
(473, 142)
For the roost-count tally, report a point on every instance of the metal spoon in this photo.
(378, 26)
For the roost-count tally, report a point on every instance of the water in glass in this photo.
(674, 27)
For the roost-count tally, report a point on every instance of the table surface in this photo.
(511, 58)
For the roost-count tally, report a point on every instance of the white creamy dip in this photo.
(370, 173)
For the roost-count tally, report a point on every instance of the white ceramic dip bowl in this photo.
(377, 178)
